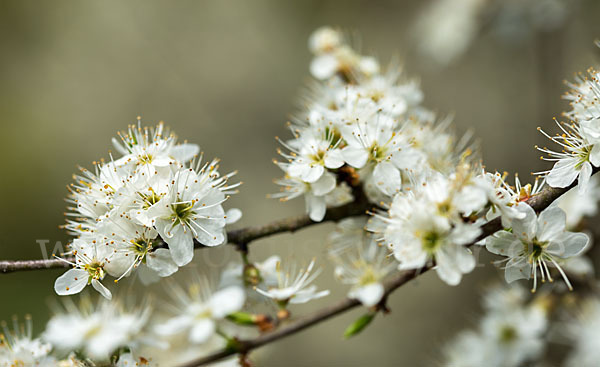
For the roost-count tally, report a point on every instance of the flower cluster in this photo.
(583, 331)
(363, 132)
(19, 348)
(513, 331)
(358, 127)
(362, 136)
(99, 329)
(579, 139)
(143, 210)
(510, 334)
(439, 216)
(198, 319)
(359, 261)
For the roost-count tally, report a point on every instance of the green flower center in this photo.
(149, 199)
(145, 159)
(95, 270)
(431, 241)
(182, 212)
(334, 134)
(584, 156)
(377, 153)
(508, 334)
(319, 157)
(535, 249)
(368, 276)
(141, 247)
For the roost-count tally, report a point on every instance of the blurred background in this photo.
(226, 75)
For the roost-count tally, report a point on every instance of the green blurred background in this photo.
(225, 75)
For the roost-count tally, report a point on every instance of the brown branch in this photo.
(538, 202)
(238, 237)
(244, 346)
(246, 235)
(8, 266)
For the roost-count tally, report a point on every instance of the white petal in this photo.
(161, 262)
(174, 325)
(595, 155)
(568, 244)
(202, 331)
(71, 282)
(324, 66)
(233, 215)
(464, 259)
(525, 228)
(563, 173)
(181, 244)
(312, 172)
(334, 159)
(446, 269)
(387, 178)
(324, 185)
(369, 295)
(227, 301)
(356, 157)
(315, 207)
(184, 152)
(517, 268)
(504, 243)
(101, 289)
(551, 222)
(308, 294)
(215, 235)
(407, 158)
(584, 177)
(470, 199)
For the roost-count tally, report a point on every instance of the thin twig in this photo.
(538, 202)
(238, 237)
(303, 323)
(8, 266)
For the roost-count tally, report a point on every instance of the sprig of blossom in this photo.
(294, 286)
(125, 211)
(505, 337)
(536, 243)
(99, 329)
(198, 310)
(576, 160)
(361, 263)
(19, 348)
(584, 333)
(428, 225)
(359, 127)
(580, 138)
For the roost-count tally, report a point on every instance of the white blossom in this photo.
(98, 330)
(88, 268)
(426, 224)
(535, 243)
(363, 264)
(294, 286)
(19, 348)
(511, 334)
(576, 160)
(199, 310)
(315, 194)
(144, 210)
(584, 332)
